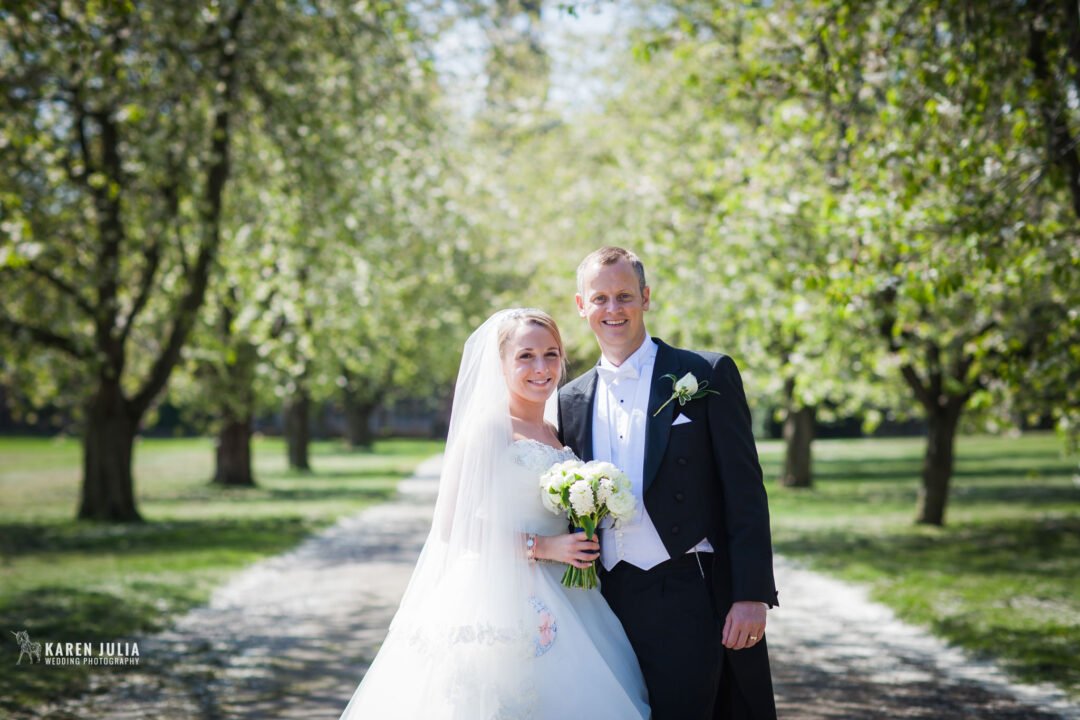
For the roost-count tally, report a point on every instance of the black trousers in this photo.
(670, 616)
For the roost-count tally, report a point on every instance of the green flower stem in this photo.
(664, 405)
(583, 578)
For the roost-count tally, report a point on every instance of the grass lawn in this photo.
(64, 580)
(1002, 578)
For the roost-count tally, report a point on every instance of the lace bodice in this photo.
(530, 459)
(538, 456)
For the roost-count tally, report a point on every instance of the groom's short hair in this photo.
(609, 255)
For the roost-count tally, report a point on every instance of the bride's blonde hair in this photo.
(531, 316)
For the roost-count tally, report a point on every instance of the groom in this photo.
(691, 577)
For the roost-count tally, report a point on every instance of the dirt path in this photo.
(836, 654)
(291, 636)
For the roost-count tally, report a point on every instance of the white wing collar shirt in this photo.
(619, 418)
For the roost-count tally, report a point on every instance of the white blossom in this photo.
(605, 490)
(621, 505)
(581, 497)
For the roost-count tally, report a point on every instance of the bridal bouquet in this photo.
(587, 492)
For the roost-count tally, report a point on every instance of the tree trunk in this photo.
(358, 433)
(798, 436)
(236, 394)
(108, 488)
(938, 463)
(234, 452)
(297, 430)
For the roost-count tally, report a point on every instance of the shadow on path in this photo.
(835, 654)
(291, 637)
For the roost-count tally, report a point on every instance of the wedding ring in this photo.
(753, 637)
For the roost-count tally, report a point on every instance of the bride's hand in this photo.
(572, 548)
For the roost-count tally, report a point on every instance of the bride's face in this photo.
(532, 363)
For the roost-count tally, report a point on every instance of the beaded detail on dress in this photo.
(538, 456)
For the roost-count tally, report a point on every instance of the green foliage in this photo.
(869, 205)
(338, 201)
(854, 200)
(284, 160)
(867, 173)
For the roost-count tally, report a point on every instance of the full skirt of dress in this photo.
(580, 664)
(571, 659)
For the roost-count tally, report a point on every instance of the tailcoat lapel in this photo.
(579, 418)
(657, 427)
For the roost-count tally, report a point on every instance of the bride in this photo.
(485, 628)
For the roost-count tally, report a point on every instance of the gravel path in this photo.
(291, 636)
(835, 654)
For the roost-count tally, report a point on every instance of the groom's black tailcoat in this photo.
(702, 479)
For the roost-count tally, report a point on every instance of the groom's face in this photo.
(614, 305)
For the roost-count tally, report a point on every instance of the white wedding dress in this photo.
(588, 669)
(482, 633)
(578, 662)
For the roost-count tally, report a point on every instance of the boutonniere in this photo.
(686, 388)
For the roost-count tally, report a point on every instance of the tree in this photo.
(117, 130)
(739, 172)
(865, 175)
(959, 241)
(129, 119)
(344, 244)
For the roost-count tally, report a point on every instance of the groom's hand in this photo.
(745, 625)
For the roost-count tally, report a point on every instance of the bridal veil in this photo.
(463, 634)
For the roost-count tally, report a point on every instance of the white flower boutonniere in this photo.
(686, 388)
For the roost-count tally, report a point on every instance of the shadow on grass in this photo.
(344, 474)
(1029, 494)
(864, 471)
(847, 497)
(65, 614)
(1047, 655)
(369, 494)
(280, 494)
(414, 449)
(1028, 547)
(263, 535)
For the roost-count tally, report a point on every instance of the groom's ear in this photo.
(580, 304)
(645, 298)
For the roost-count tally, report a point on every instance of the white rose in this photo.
(560, 475)
(566, 468)
(687, 384)
(598, 469)
(581, 497)
(551, 501)
(622, 505)
(550, 481)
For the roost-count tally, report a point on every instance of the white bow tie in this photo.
(610, 373)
